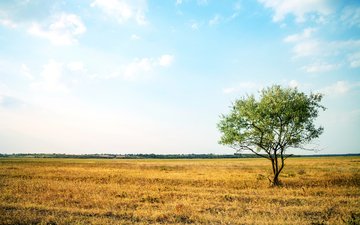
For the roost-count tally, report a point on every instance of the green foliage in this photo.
(281, 118)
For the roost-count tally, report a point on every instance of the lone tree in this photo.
(281, 118)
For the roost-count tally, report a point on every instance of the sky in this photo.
(146, 76)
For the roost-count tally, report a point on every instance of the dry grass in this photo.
(236, 191)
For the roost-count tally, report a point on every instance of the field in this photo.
(216, 191)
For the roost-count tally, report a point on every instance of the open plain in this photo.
(322, 190)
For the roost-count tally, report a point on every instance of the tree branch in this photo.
(243, 147)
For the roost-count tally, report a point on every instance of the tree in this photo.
(281, 118)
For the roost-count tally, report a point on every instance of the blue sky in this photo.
(142, 76)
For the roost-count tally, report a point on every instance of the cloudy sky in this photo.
(143, 76)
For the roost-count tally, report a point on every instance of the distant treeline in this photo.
(154, 156)
(131, 156)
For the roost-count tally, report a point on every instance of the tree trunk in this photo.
(276, 181)
(276, 171)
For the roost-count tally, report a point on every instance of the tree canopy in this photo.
(279, 119)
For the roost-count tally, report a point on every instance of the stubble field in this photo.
(216, 191)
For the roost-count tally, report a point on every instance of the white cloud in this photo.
(229, 90)
(242, 87)
(233, 16)
(137, 67)
(166, 60)
(178, 2)
(351, 16)
(339, 88)
(306, 34)
(123, 10)
(307, 48)
(308, 87)
(215, 20)
(305, 45)
(320, 67)
(51, 78)
(237, 6)
(354, 59)
(339, 47)
(299, 8)
(141, 67)
(195, 26)
(202, 2)
(76, 66)
(4, 89)
(10, 102)
(315, 47)
(8, 23)
(135, 37)
(294, 84)
(64, 30)
(24, 70)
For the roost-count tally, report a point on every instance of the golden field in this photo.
(209, 191)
